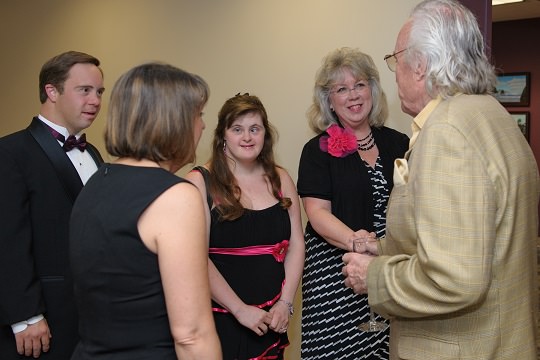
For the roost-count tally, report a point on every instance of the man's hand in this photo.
(355, 271)
(34, 340)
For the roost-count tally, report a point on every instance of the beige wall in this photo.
(270, 48)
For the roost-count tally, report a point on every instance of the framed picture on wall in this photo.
(522, 119)
(513, 89)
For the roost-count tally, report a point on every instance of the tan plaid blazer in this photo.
(458, 272)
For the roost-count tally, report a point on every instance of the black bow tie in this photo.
(71, 142)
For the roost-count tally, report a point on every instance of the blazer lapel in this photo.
(66, 172)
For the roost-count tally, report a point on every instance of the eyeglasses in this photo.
(391, 60)
(343, 91)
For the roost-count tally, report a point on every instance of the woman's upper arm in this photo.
(173, 227)
(197, 179)
(312, 205)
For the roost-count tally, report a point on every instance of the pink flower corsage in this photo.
(280, 250)
(339, 142)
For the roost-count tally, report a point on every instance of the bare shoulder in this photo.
(287, 183)
(180, 206)
(183, 190)
(283, 174)
(179, 197)
(196, 177)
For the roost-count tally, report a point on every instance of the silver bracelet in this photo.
(289, 305)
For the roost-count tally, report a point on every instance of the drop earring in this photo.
(224, 146)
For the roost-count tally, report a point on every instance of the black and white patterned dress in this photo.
(359, 195)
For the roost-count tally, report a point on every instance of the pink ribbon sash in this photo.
(278, 251)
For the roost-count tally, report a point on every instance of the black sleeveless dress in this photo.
(256, 279)
(118, 287)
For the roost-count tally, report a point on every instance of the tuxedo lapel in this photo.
(66, 172)
(94, 154)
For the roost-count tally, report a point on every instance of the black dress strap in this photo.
(206, 176)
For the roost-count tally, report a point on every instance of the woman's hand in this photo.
(280, 317)
(368, 243)
(255, 319)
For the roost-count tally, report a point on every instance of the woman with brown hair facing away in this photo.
(138, 249)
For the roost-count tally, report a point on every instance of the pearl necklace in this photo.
(368, 144)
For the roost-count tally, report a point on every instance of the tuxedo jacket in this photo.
(38, 185)
(458, 273)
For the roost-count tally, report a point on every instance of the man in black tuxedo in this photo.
(42, 170)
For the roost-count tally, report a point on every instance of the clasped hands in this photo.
(364, 248)
(260, 321)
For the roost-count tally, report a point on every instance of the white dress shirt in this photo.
(82, 160)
